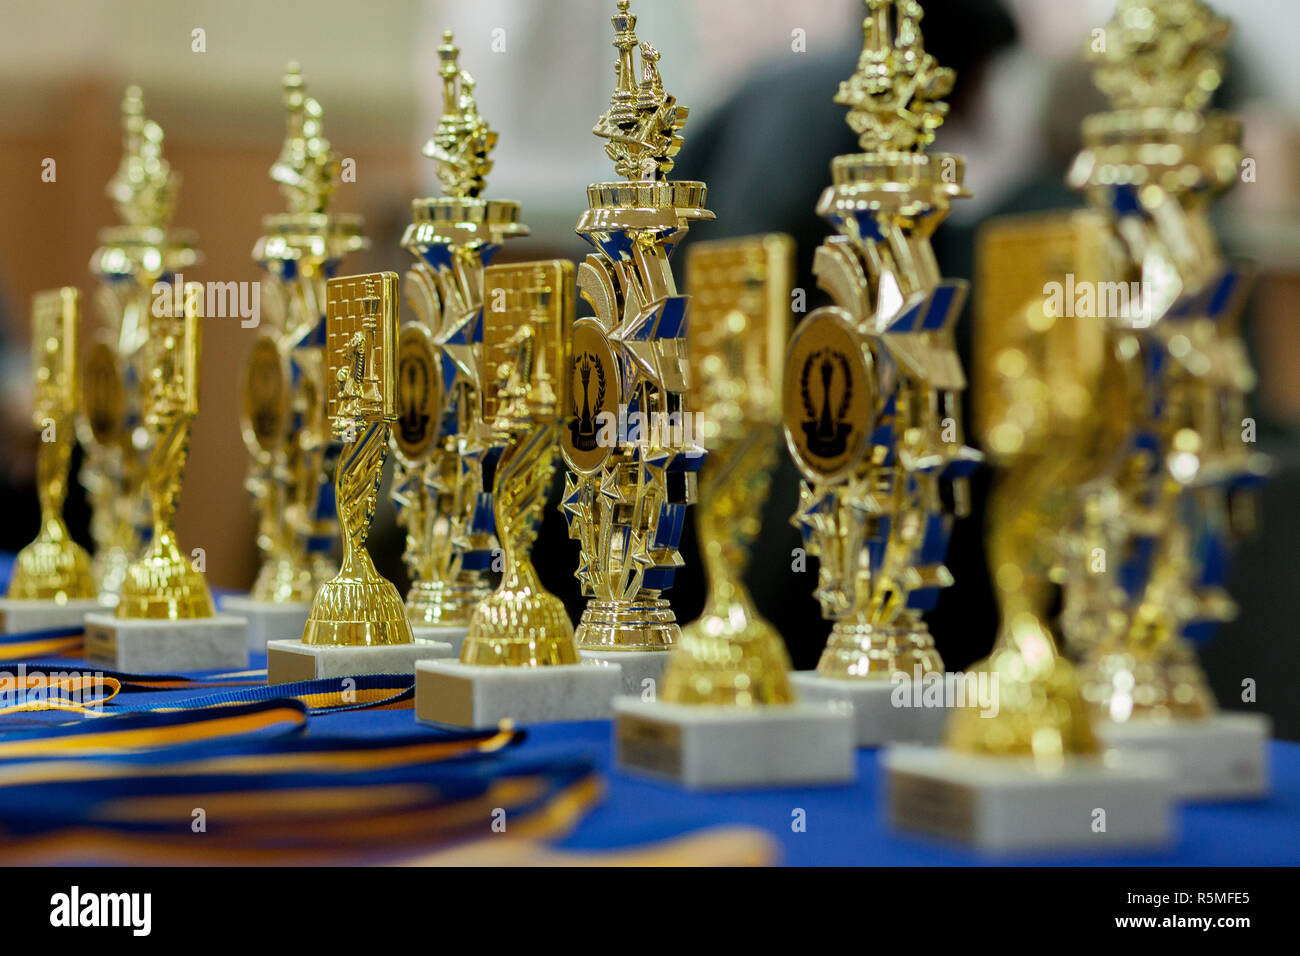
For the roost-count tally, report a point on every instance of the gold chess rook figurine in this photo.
(53, 567)
(438, 463)
(630, 455)
(358, 606)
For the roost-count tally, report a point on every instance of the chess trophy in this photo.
(631, 459)
(165, 618)
(725, 714)
(358, 623)
(1150, 168)
(51, 585)
(134, 258)
(283, 392)
(872, 392)
(438, 472)
(518, 661)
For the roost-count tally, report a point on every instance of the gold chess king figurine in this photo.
(630, 453)
(53, 567)
(284, 388)
(438, 475)
(873, 383)
(134, 257)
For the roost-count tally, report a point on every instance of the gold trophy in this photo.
(357, 624)
(138, 263)
(630, 453)
(1150, 168)
(725, 715)
(438, 473)
(873, 386)
(51, 585)
(283, 392)
(519, 661)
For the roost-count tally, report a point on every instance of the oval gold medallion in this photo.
(595, 392)
(103, 394)
(265, 397)
(419, 393)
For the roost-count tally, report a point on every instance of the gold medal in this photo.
(419, 393)
(595, 392)
(265, 395)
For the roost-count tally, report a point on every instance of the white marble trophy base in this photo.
(874, 704)
(443, 634)
(1007, 804)
(290, 661)
(473, 695)
(148, 645)
(643, 671)
(18, 616)
(1220, 757)
(709, 747)
(268, 620)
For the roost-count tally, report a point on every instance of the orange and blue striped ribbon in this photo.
(61, 642)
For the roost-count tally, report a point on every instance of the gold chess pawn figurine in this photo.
(358, 606)
(53, 567)
(740, 297)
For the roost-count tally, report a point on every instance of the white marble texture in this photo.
(643, 671)
(713, 747)
(1008, 804)
(877, 719)
(268, 620)
(472, 695)
(159, 646)
(18, 616)
(455, 636)
(1215, 758)
(288, 661)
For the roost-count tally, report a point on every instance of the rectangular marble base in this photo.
(19, 616)
(1220, 757)
(268, 620)
(289, 661)
(455, 636)
(710, 747)
(1006, 804)
(471, 695)
(159, 646)
(643, 671)
(876, 707)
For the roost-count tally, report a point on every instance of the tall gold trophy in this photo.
(284, 391)
(519, 661)
(438, 463)
(630, 452)
(1150, 168)
(873, 385)
(725, 715)
(134, 259)
(51, 585)
(358, 623)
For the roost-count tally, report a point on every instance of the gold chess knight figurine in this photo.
(873, 384)
(438, 464)
(52, 574)
(630, 455)
(518, 661)
(725, 714)
(132, 259)
(1150, 168)
(284, 391)
(357, 624)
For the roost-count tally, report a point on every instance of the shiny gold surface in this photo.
(358, 606)
(525, 350)
(132, 257)
(291, 448)
(163, 582)
(438, 463)
(873, 383)
(622, 498)
(53, 567)
(740, 296)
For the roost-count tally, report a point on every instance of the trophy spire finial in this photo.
(306, 168)
(1161, 53)
(895, 97)
(643, 120)
(463, 142)
(144, 188)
